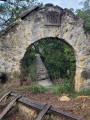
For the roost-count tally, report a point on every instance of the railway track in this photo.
(38, 106)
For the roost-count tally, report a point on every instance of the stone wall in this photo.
(32, 26)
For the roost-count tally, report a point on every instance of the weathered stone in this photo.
(64, 98)
(42, 74)
(40, 69)
(31, 27)
(86, 74)
(45, 83)
(26, 12)
(30, 114)
(79, 97)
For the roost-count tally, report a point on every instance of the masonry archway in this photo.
(43, 22)
(58, 58)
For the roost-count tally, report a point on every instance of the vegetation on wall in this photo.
(56, 55)
(10, 10)
(84, 14)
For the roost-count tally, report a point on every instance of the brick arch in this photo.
(38, 23)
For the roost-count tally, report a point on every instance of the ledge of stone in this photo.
(8, 28)
(28, 11)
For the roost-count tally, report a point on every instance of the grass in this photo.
(37, 88)
(21, 88)
(83, 92)
(62, 87)
(59, 88)
(65, 87)
(34, 88)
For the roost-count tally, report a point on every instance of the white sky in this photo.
(64, 3)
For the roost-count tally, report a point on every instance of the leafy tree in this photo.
(84, 13)
(72, 9)
(10, 10)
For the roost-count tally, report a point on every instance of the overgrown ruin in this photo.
(37, 23)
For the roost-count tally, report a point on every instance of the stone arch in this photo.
(43, 22)
(44, 39)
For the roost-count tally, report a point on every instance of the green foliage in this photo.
(10, 10)
(29, 57)
(84, 13)
(58, 58)
(21, 89)
(62, 87)
(71, 9)
(74, 96)
(37, 89)
(83, 92)
(29, 64)
(32, 72)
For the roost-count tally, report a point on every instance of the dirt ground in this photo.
(79, 106)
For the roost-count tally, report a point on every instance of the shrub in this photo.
(62, 87)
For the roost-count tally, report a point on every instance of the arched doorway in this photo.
(58, 58)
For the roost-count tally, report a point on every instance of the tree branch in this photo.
(3, 0)
(6, 21)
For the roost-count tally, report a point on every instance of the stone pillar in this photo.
(82, 78)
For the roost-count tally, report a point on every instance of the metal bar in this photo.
(43, 112)
(9, 106)
(7, 94)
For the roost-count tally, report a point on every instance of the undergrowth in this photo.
(37, 88)
(62, 87)
(59, 88)
(83, 92)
